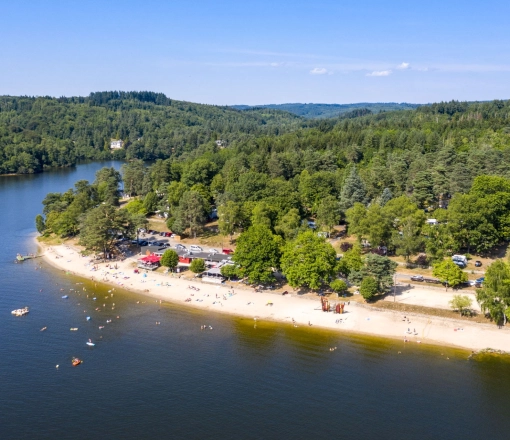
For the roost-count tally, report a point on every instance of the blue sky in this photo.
(258, 52)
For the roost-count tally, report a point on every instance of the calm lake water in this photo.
(172, 380)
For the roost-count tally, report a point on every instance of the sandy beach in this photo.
(292, 309)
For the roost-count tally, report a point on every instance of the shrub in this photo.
(229, 271)
(197, 266)
(368, 288)
(422, 260)
(344, 247)
(338, 286)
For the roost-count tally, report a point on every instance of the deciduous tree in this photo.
(368, 288)
(494, 296)
(449, 273)
(338, 286)
(170, 259)
(308, 261)
(197, 265)
(258, 253)
(460, 303)
(229, 216)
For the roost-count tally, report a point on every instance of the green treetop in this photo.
(448, 272)
(308, 261)
(170, 259)
(258, 253)
(494, 296)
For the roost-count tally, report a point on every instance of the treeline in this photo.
(42, 132)
(313, 111)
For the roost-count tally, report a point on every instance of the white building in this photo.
(116, 144)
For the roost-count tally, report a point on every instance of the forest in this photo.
(423, 184)
(384, 175)
(313, 111)
(37, 133)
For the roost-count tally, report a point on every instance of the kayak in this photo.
(76, 362)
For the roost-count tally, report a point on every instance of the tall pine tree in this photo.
(353, 191)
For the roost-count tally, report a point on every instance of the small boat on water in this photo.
(73, 329)
(76, 361)
(20, 312)
(88, 318)
(90, 343)
(65, 297)
(44, 328)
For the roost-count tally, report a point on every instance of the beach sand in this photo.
(297, 311)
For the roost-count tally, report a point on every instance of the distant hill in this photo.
(313, 111)
(41, 132)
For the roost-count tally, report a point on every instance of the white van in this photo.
(460, 260)
(195, 248)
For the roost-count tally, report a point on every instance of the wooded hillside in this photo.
(36, 133)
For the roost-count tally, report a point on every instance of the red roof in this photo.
(151, 259)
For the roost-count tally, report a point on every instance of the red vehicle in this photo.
(227, 251)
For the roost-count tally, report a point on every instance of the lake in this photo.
(236, 381)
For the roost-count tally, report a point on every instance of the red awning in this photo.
(151, 259)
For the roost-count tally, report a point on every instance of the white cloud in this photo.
(380, 73)
(318, 71)
(276, 64)
(403, 66)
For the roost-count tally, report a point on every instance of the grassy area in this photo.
(444, 313)
(51, 240)
(158, 224)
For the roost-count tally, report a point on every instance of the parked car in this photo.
(214, 251)
(143, 243)
(195, 248)
(227, 251)
(173, 235)
(480, 280)
(478, 263)
(181, 247)
(417, 278)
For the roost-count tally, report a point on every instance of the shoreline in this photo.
(290, 309)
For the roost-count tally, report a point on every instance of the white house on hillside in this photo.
(116, 144)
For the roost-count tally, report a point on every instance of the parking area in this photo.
(153, 242)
